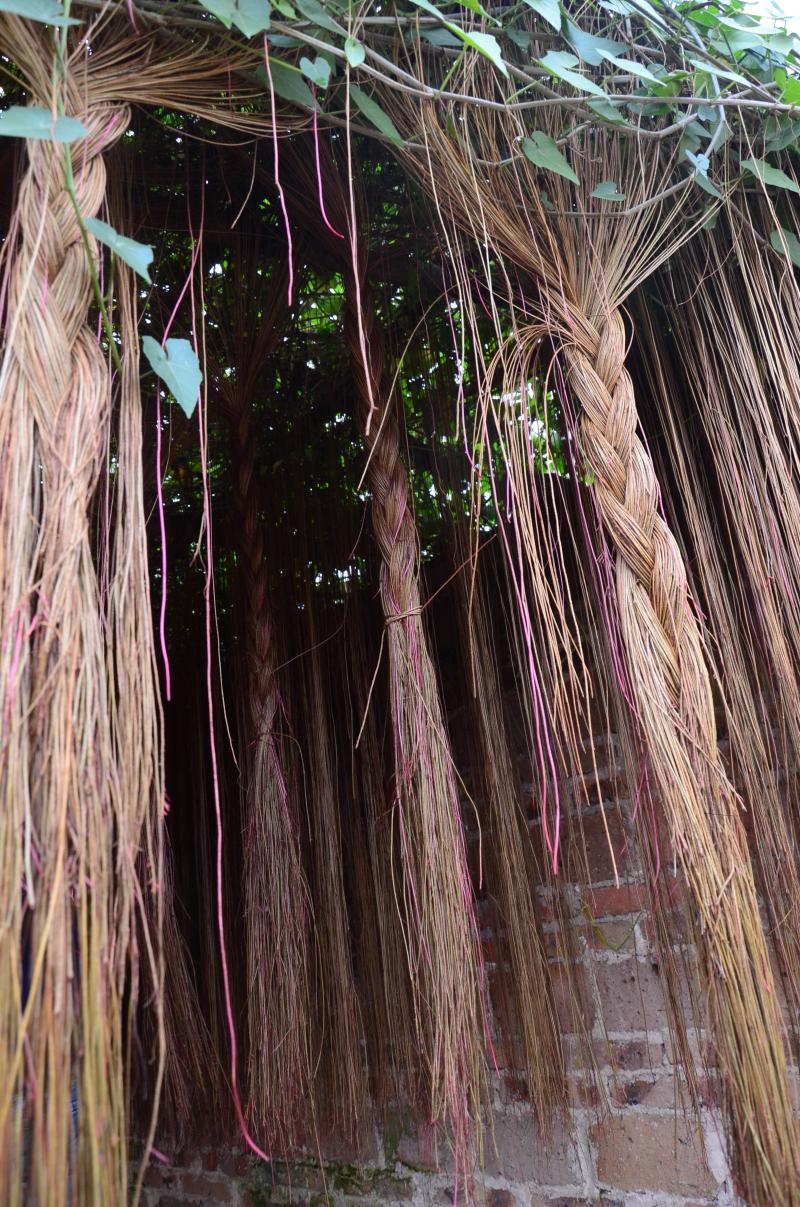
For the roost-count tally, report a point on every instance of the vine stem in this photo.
(69, 186)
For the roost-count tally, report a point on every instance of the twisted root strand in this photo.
(675, 712)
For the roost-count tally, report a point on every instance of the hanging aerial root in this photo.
(440, 930)
(730, 468)
(69, 874)
(675, 711)
(276, 893)
(340, 1097)
(432, 889)
(530, 1009)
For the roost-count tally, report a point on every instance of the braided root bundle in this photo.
(582, 264)
(277, 903)
(72, 813)
(441, 937)
(674, 708)
(385, 991)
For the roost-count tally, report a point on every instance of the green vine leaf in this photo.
(485, 44)
(289, 84)
(138, 256)
(608, 111)
(373, 113)
(250, 16)
(785, 134)
(561, 63)
(706, 184)
(789, 86)
(541, 150)
(313, 11)
(179, 369)
(31, 121)
(49, 12)
(590, 48)
(765, 172)
(607, 191)
(786, 243)
(318, 71)
(631, 67)
(355, 52)
(549, 10)
(711, 69)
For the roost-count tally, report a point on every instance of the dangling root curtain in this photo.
(394, 403)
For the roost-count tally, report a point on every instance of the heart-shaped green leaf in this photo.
(313, 11)
(318, 71)
(485, 44)
(607, 191)
(542, 150)
(549, 9)
(30, 121)
(250, 16)
(288, 83)
(786, 242)
(765, 172)
(138, 256)
(178, 367)
(355, 52)
(221, 9)
(50, 12)
(561, 63)
(373, 113)
(589, 47)
(631, 67)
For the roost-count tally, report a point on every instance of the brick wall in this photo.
(628, 1141)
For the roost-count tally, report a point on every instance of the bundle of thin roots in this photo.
(81, 748)
(86, 895)
(577, 263)
(647, 585)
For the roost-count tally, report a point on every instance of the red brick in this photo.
(500, 1198)
(419, 1149)
(641, 1152)
(545, 906)
(617, 935)
(610, 901)
(596, 852)
(208, 1188)
(600, 753)
(569, 1201)
(234, 1164)
(649, 1091)
(631, 996)
(518, 1152)
(355, 1150)
(515, 1088)
(572, 999)
(583, 1093)
(553, 944)
(160, 1176)
(631, 1054)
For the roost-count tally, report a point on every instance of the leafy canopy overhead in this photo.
(699, 72)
